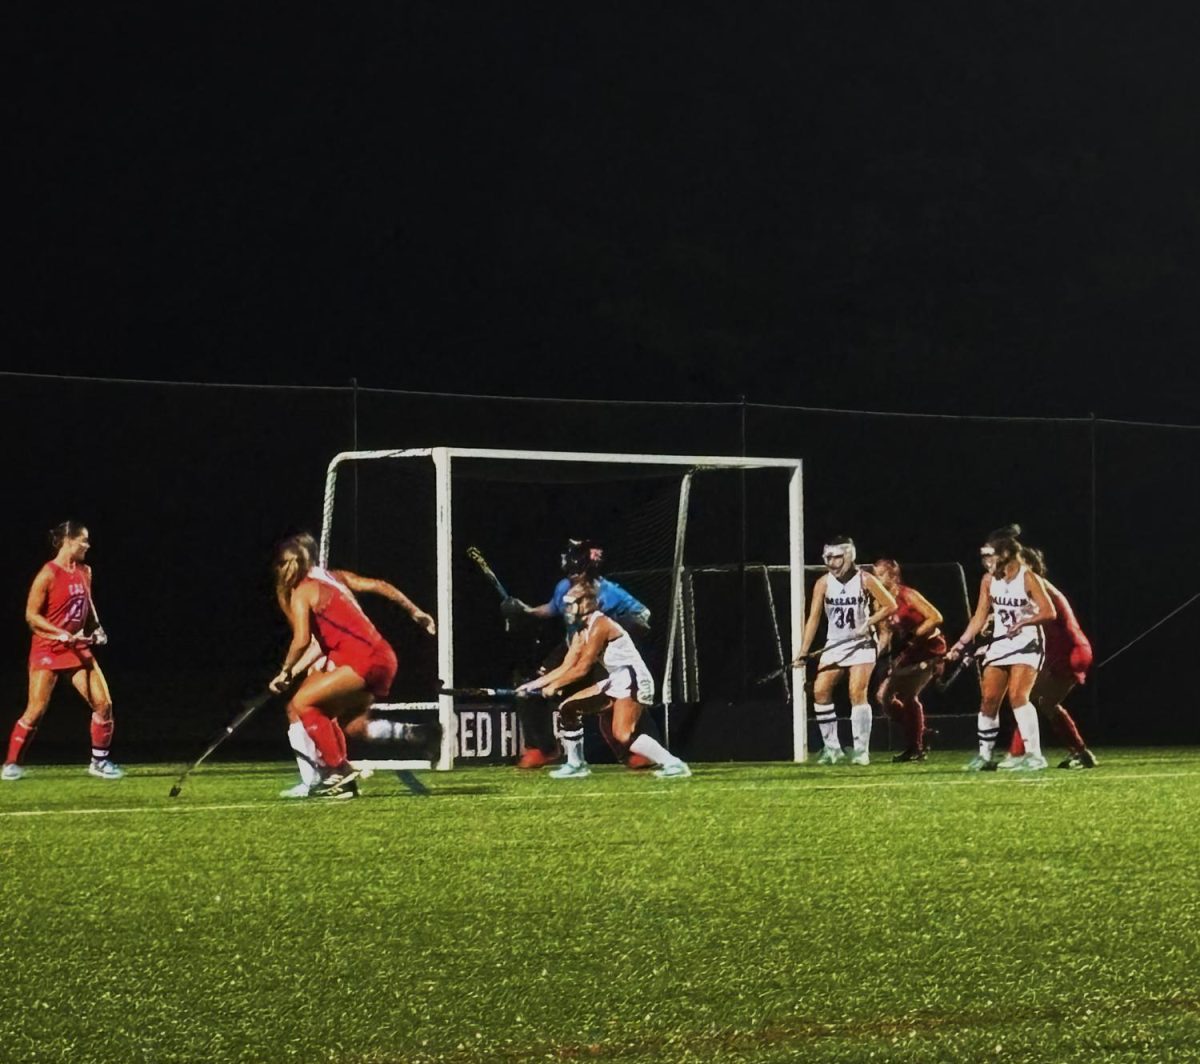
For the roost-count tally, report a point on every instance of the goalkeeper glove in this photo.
(513, 607)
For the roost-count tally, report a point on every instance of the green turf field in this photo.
(751, 913)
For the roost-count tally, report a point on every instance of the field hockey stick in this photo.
(249, 708)
(802, 659)
(476, 555)
(500, 694)
(966, 658)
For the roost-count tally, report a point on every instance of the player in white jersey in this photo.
(627, 688)
(853, 602)
(1014, 599)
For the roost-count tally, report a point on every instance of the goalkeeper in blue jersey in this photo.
(581, 558)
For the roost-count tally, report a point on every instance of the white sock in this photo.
(654, 750)
(1030, 729)
(307, 757)
(826, 718)
(989, 728)
(573, 745)
(860, 726)
(382, 731)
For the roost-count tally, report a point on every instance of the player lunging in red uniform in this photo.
(917, 647)
(58, 611)
(1068, 658)
(320, 605)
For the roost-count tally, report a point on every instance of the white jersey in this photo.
(1011, 603)
(847, 609)
(628, 674)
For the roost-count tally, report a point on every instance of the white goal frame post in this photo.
(443, 459)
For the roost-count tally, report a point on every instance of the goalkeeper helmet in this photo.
(581, 558)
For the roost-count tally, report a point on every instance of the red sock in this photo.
(102, 733)
(1017, 748)
(324, 734)
(340, 737)
(914, 722)
(22, 736)
(1064, 728)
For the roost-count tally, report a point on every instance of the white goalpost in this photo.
(447, 461)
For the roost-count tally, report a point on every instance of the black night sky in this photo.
(948, 207)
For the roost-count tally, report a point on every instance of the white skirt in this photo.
(628, 682)
(1024, 648)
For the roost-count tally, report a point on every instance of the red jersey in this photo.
(905, 622)
(340, 621)
(68, 603)
(1067, 648)
(347, 635)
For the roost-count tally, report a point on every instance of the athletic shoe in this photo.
(859, 757)
(1087, 759)
(1031, 763)
(11, 771)
(1011, 761)
(676, 771)
(535, 758)
(981, 764)
(299, 790)
(1071, 762)
(909, 755)
(337, 785)
(571, 772)
(637, 762)
(105, 770)
(830, 755)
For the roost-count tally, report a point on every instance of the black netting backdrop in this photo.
(185, 489)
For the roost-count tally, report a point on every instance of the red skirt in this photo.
(376, 664)
(1074, 662)
(58, 657)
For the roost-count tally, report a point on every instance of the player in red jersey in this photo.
(1068, 659)
(58, 611)
(320, 605)
(917, 648)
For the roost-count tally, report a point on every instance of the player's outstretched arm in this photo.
(371, 586)
(582, 654)
(590, 649)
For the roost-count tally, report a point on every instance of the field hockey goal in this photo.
(422, 517)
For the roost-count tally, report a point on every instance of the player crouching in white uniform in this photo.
(628, 687)
(846, 595)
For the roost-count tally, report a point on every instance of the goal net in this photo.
(422, 518)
